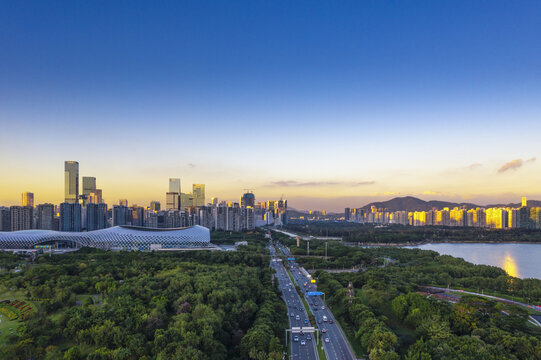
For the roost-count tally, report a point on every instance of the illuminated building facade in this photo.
(27, 199)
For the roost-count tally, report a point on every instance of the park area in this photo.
(13, 310)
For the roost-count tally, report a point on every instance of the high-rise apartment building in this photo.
(27, 199)
(71, 182)
(5, 219)
(45, 217)
(96, 216)
(120, 215)
(70, 217)
(21, 217)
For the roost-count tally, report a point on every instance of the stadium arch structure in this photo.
(113, 238)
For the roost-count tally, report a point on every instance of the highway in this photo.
(335, 342)
(304, 346)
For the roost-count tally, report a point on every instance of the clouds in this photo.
(293, 183)
(514, 164)
(474, 166)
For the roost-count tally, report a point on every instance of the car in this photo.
(296, 338)
(330, 321)
(292, 315)
(327, 340)
(323, 331)
(323, 307)
(309, 337)
(306, 321)
(297, 317)
(303, 342)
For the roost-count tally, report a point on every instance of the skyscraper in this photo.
(173, 195)
(123, 202)
(172, 201)
(71, 182)
(198, 194)
(524, 202)
(27, 199)
(89, 185)
(174, 185)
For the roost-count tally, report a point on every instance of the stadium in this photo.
(114, 238)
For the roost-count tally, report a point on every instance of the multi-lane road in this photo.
(335, 343)
(303, 347)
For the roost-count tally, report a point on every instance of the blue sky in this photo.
(306, 98)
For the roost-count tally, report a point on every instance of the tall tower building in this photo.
(71, 182)
(173, 195)
(198, 195)
(174, 185)
(27, 199)
(172, 201)
(123, 202)
(89, 185)
(524, 202)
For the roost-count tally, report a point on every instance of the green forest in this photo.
(93, 304)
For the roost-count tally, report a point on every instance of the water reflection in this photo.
(519, 260)
(510, 266)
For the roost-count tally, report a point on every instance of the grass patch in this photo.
(320, 349)
(5, 326)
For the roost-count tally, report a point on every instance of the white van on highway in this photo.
(324, 318)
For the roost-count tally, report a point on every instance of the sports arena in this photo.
(113, 238)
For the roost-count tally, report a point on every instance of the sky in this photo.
(330, 104)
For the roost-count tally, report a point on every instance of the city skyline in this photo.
(331, 105)
(350, 201)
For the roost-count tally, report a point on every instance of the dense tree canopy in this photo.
(133, 305)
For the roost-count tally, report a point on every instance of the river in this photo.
(520, 260)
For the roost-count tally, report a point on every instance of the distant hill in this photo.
(411, 203)
(414, 204)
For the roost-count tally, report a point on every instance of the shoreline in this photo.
(402, 244)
